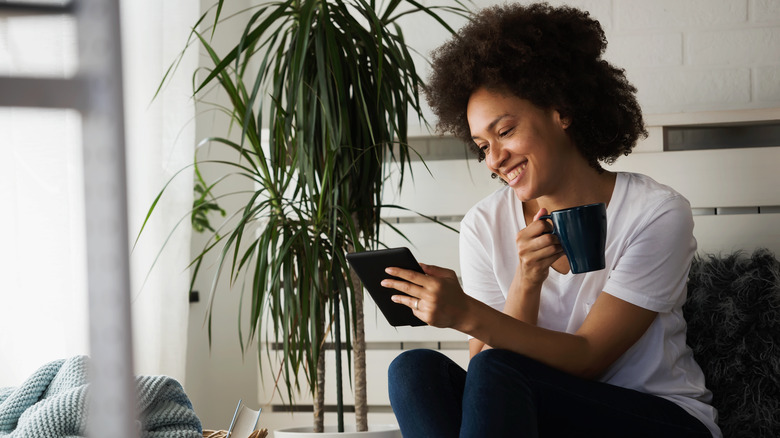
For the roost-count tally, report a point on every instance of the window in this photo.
(723, 136)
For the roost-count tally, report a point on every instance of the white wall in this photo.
(682, 55)
(686, 57)
(218, 375)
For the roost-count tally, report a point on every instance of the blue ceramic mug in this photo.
(582, 232)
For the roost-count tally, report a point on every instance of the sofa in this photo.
(733, 315)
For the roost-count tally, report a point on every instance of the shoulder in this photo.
(650, 189)
(650, 244)
(644, 210)
(488, 209)
(643, 198)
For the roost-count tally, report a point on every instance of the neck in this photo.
(582, 186)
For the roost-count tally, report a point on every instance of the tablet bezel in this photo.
(370, 267)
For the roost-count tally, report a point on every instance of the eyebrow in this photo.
(493, 124)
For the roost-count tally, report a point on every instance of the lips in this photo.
(515, 173)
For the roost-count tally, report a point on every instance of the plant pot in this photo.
(374, 431)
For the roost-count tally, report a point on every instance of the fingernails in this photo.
(385, 283)
(390, 271)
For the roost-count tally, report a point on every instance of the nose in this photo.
(495, 155)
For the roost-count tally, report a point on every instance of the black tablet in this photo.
(370, 267)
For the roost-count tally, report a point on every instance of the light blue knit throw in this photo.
(53, 403)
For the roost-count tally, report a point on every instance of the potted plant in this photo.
(332, 83)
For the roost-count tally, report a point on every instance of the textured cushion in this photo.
(733, 314)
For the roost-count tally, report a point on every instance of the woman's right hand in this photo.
(537, 250)
(434, 296)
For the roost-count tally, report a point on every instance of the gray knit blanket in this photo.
(52, 402)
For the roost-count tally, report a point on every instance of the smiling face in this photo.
(526, 146)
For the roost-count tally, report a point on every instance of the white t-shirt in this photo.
(649, 249)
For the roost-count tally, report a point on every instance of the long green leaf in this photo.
(333, 83)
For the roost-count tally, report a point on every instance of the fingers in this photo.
(541, 259)
(537, 248)
(408, 275)
(434, 296)
(415, 281)
(533, 238)
(437, 271)
(537, 227)
(412, 291)
(539, 231)
(548, 256)
(414, 284)
(408, 301)
(401, 286)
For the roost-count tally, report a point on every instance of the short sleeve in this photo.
(653, 268)
(476, 263)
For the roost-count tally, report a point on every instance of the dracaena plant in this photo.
(320, 93)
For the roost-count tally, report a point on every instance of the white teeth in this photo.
(512, 175)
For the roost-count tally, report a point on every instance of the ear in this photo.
(563, 121)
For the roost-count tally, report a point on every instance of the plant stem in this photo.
(359, 352)
(339, 382)
(319, 390)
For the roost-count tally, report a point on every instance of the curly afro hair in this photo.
(548, 56)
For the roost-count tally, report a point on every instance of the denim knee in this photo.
(426, 390)
(413, 364)
(488, 359)
(499, 368)
(491, 357)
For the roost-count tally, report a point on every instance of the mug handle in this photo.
(549, 218)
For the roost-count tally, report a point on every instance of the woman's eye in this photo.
(505, 133)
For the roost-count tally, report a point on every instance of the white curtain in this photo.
(43, 313)
(160, 143)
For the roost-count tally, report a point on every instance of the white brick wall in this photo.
(682, 55)
(693, 88)
(698, 55)
(737, 47)
(767, 84)
(657, 50)
(643, 15)
(765, 10)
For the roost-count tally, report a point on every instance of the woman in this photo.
(552, 353)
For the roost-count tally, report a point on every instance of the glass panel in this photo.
(38, 45)
(683, 138)
(43, 303)
(43, 3)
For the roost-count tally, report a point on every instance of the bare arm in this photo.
(523, 300)
(611, 328)
(475, 347)
(522, 304)
(536, 252)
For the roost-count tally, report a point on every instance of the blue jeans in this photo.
(505, 394)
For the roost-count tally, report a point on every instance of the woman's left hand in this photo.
(435, 297)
